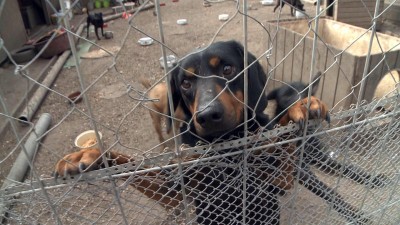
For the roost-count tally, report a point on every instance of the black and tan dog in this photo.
(96, 19)
(209, 86)
(294, 5)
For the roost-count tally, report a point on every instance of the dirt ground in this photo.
(112, 91)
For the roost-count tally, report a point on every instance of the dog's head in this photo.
(209, 85)
(287, 94)
(99, 15)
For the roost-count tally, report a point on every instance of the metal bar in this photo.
(245, 111)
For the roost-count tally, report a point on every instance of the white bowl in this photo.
(223, 17)
(145, 41)
(171, 59)
(87, 139)
(267, 2)
(300, 14)
(108, 34)
(182, 21)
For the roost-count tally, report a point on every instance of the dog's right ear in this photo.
(174, 84)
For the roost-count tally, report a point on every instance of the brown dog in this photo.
(159, 108)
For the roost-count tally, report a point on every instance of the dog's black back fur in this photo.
(96, 19)
(295, 4)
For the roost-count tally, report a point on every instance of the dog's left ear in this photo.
(176, 93)
(257, 80)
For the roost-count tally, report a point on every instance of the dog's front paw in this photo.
(77, 162)
(298, 112)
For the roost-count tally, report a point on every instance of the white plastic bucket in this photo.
(87, 139)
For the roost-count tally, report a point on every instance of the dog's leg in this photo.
(313, 184)
(360, 176)
(150, 184)
(314, 155)
(102, 32)
(278, 4)
(87, 27)
(96, 31)
(156, 118)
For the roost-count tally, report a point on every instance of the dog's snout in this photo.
(210, 116)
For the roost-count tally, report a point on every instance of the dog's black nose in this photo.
(210, 116)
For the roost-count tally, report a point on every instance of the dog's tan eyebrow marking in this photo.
(214, 61)
(190, 71)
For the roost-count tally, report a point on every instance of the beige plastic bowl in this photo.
(87, 139)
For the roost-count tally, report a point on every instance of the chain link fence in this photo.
(340, 171)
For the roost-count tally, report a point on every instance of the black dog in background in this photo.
(295, 4)
(97, 21)
(315, 154)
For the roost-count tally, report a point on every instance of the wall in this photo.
(355, 12)
(344, 65)
(12, 29)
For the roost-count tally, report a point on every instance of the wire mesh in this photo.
(341, 172)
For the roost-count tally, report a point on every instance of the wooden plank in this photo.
(357, 21)
(322, 51)
(358, 4)
(308, 44)
(345, 82)
(271, 61)
(359, 69)
(349, 1)
(330, 80)
(361, 16)
(288, 63)
(298, 57)
(375, 69)
(279, 51)
(357, 10)
(342, 2)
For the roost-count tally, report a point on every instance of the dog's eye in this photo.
(186, 84)
(227, 70)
